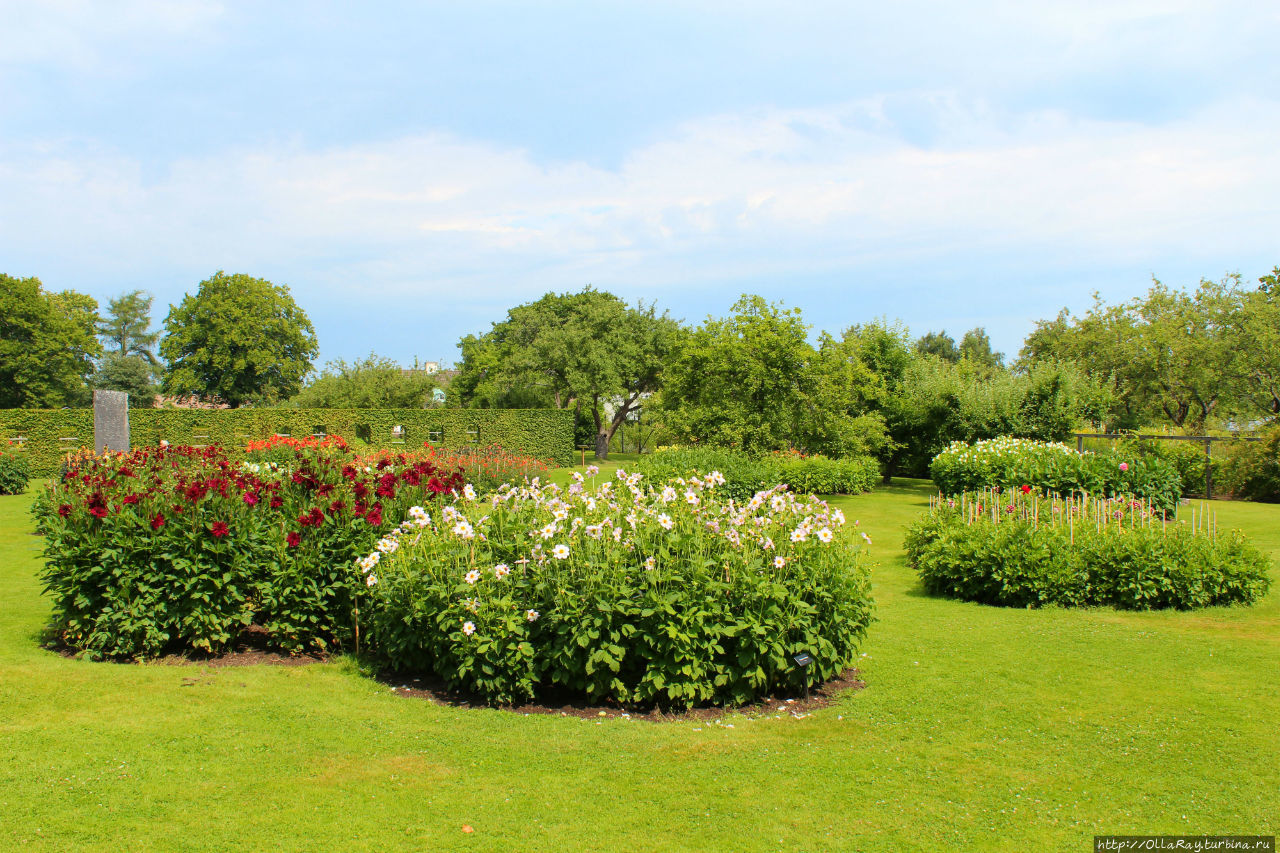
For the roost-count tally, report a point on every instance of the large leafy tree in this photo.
(752, 381)
(1259, 327)
(47, 344)
(241, 338)
(373, 382)
(1186, 357)
(588, 351)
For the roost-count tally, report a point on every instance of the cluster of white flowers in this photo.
(622, 527)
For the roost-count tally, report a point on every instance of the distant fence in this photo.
(1206, 440)
(46, 435)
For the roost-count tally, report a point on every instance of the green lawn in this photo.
(980, 728)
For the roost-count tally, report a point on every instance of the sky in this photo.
(413, 170)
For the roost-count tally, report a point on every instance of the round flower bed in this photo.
(1019, 549)
(1053, 467)
(665, 595)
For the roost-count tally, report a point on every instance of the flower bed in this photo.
(14, 472)
(1053, 467)
(668, 595)
(177, 549)
(1019, 549)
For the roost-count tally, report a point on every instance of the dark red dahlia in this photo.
(219, 529)
(157, 522)
(294, 538)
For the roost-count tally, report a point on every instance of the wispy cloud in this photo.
(813, 189)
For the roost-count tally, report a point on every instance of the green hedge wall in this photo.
(50, 433)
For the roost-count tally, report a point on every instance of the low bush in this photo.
(745, 474)
(14, 473)
(1052, 467)
(1251, 469)
(176, 549)
(1021, 550)
(671, 595)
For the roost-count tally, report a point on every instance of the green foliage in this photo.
(1252, 469)
(47, 345)
(125, 327)
(753, 382)
(240, 338)
(1191, 357)
(938, 344)
(178, 549)
(745, 475)
(1008, 463)
(937, 402)
(975, 346)
(1017, 554)
(587, 350)
(15, 471)
(129, 373)
(650, 599)
(541, 433)
(373, 382)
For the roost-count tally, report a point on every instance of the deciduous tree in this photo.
(241, 338)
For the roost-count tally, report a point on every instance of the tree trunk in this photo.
(602, 445)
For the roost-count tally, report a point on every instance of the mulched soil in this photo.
(820, 696)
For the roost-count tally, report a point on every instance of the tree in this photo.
(241, 338)
(976, 347)
(940, 344)
(752, 381)
(125, 327)
(1259, 328)
(128, 373)
(587, 350)
(47, 345)
(373, 382)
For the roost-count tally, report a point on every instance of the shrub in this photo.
(745, 475)
(178, 548)
(1053, 467)
(1251, 469)
(673, 596)
(14, 473)
(1021, 550)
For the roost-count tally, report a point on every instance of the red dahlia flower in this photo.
(219, 529)
(64, 510)
(294, 538)
(157, 522)
(1026, 489)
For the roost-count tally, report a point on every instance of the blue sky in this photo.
(413, 170)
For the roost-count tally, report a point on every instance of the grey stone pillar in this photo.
(110, 421)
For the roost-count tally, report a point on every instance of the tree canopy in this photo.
(47, 345)
(241, 338)
(753, 381)
(372, 382)
(587, 350)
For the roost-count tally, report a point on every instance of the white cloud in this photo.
(797, 191)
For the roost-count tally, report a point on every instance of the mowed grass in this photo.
(980, 728)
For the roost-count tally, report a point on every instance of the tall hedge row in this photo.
(49, 433)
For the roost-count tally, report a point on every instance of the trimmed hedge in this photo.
(51, 433)
(745, 474)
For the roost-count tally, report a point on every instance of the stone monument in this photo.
(110, 421)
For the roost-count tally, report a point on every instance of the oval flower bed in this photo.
(1020, 549)
(177, 549)
(663, 595)
(1053, 467)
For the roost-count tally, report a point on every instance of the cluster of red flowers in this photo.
(324, 483)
